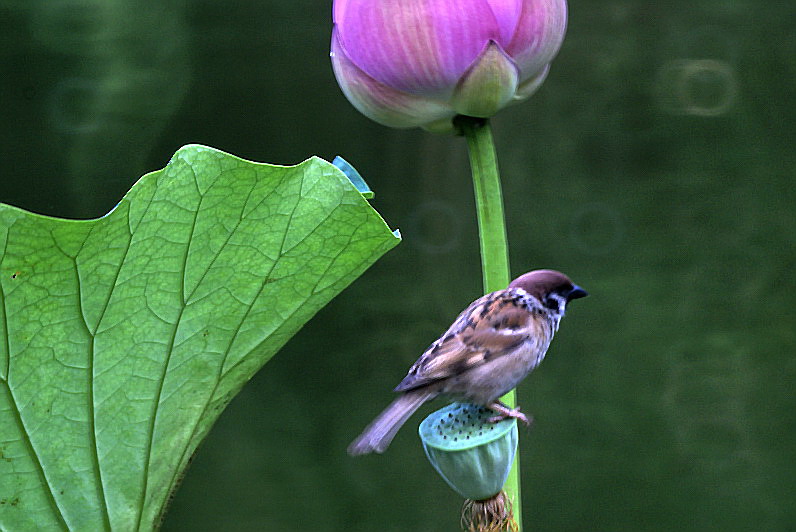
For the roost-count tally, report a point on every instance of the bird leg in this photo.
(506, 412)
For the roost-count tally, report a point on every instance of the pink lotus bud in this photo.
(410, 63)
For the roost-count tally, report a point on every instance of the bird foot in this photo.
(506, 412)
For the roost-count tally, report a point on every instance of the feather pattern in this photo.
(490, 328)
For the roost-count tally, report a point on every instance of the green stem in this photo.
(494, 245)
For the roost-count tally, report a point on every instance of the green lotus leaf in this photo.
(123, 338)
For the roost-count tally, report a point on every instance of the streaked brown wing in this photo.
(490, 327)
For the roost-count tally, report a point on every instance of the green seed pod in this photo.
(472, 454)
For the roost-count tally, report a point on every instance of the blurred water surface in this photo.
(655, 166)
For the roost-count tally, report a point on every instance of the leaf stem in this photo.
(494, 244)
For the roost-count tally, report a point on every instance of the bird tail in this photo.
(377, 436)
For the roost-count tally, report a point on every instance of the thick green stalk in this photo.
(494, 245)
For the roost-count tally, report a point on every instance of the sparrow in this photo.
(487, 351)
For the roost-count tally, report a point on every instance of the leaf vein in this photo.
(221, 371)
(17, 415)
(91, 414)
(161, 382)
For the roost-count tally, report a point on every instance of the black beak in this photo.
(576, 293)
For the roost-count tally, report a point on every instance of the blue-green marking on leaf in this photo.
(122, 338)
(354, 176)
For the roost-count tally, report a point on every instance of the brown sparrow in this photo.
(488, 351)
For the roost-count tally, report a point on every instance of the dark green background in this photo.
(655, 166)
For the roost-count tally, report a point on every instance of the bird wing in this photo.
(489, 328)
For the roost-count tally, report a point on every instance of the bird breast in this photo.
(487, 382)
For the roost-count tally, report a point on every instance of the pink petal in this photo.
(417, 46)
(507, 14)
(379, 102)
(338, 8)
(538, 36)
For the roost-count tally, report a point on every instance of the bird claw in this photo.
(506, 413)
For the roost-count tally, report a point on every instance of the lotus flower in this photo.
(410, 63)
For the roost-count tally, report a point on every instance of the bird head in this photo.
(552, 288)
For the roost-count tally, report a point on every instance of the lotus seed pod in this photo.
(472, 454)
